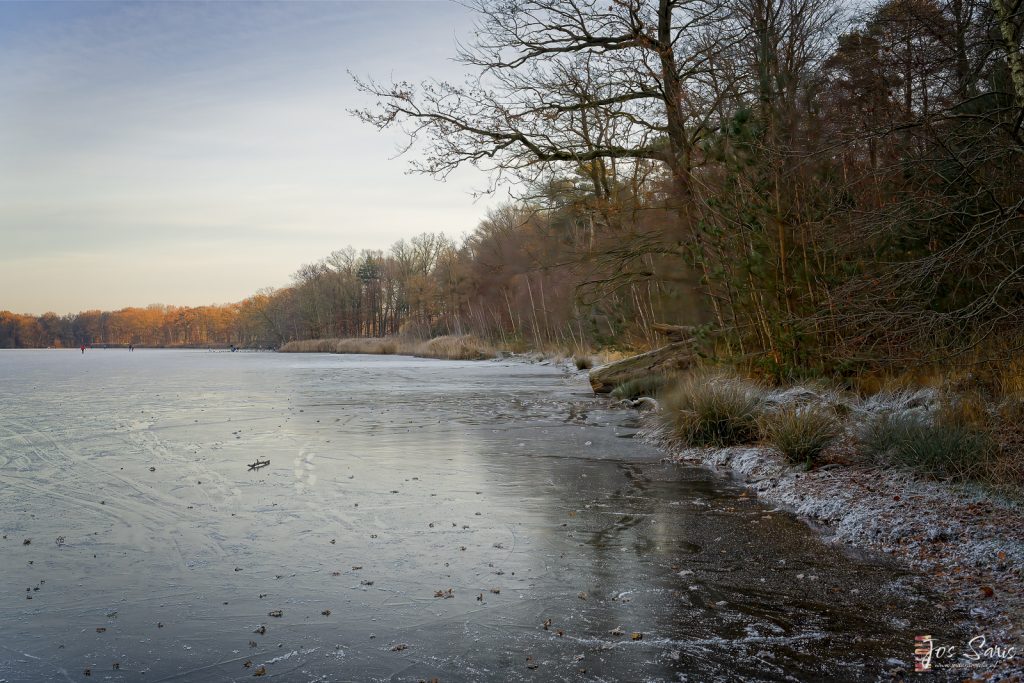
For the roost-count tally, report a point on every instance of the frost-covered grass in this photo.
(944, 450)
(935, 433)
(802, 433)
(711, 409)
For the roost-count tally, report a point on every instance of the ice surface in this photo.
(393, 480)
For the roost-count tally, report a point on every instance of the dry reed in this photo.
(451, 347)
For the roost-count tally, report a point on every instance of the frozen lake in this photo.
(419, 519)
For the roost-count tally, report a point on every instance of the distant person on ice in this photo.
(83, 348)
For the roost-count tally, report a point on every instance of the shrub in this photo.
(648, 385)
(802, 433)
(713, 410)
(954, 451)
(583, 362)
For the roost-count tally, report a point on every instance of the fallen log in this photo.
(674, 333)
(667, 360)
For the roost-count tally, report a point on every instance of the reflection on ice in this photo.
(503, 488)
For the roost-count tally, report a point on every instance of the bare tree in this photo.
(648, 68)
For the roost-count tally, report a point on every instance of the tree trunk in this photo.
(668, 360)
(1005, 14)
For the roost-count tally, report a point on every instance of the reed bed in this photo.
(449, 347)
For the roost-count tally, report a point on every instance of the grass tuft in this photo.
(950, 451)
(705, 409)
(802, 433)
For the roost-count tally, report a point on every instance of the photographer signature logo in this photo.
(977, 653)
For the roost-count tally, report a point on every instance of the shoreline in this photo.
(967, 543)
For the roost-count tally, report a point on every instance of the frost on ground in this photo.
(970, 543)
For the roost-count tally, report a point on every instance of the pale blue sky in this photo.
(192, 153)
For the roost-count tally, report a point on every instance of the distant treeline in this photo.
(154, 325)
(515, 280)
(794, 194)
